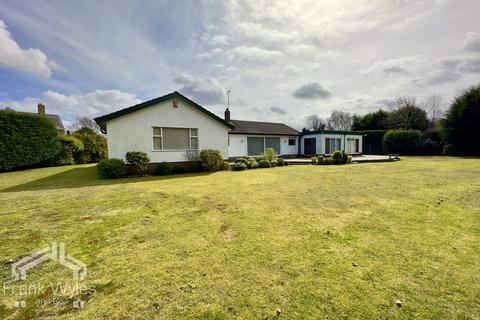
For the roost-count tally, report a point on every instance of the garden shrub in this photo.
(26, 140)
(94, 146)
(402, 141)
(212, 160)
(226, 166)
(430, 147)
(163, 169)
(273, 164)
(252, 163)
(239, 166)
(314, 160)
(280, 162)
(111, 168)
(70, 147)
(345, 157)
(329, 161)
(243, 160)
(349, 160)
(320, 160)
(264, 164)
(337, 156)
(270, 154)
(138, 162)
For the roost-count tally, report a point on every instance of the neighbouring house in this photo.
(54, 118)
(172, 128)
(326, 142)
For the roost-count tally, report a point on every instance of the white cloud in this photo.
(254, 53)
(396, 66)
(472, 43)
(32, 61)
(91, 104)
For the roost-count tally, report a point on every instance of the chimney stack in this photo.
(227, 115)
(41, 110)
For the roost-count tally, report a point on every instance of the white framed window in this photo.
(332, 145)
(175, 138)
(292, 142)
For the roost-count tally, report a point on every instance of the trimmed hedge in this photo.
(112, 168)
(26, 140)
(402, 141)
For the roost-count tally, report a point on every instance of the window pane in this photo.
(157, 143)
(194, 143)
(157, 131)
(273, 143)
(194, 132)
(176, 138)
(255, 146)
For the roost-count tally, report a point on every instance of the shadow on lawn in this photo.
(86, 177)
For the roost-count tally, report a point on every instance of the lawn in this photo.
(297, 242)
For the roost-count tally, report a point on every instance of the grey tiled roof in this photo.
(256, 127)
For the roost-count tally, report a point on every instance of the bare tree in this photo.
(315, 123)
(85, 122)
(340, 120)
(401, 102)
(433, 106)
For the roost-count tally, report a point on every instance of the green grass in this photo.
(316, 242)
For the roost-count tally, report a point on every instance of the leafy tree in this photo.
(70, 147)
(372, 121)
(26, 140)
(461, 126)
(408, 117)
(95, 146)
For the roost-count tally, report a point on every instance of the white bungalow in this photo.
(172, 127)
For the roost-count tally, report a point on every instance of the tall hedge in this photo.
(461, 126)
(26, 140)
(402, 141)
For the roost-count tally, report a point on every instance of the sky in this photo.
(281, 60)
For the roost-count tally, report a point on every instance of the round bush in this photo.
(264, 164)
(280, 162)
(212, 160)
(111, 168)
(337, 156)
(239, 166)
(320, 159)
(138, 162)
(242, 160)
(163, 169)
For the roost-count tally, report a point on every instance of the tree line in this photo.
(418, 126)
